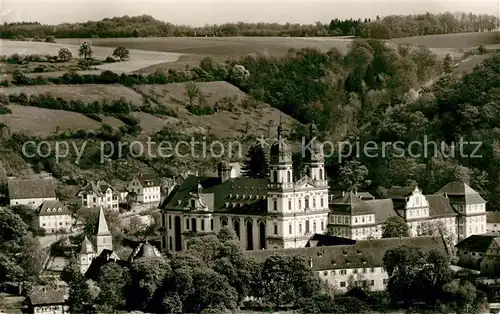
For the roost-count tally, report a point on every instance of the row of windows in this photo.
(52, 223)
(343, 284)
(306, 201)
(274, 176)
(353, 271)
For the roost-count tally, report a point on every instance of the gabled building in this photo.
(361, 263)
(99, 193)
(45, 300)
(274, 212)
(31, 191)
(54, 216)
(480, 252)
(144, 250)
(146, 188)
(493, 222)
(469, 205)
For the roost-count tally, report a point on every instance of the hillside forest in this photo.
(392, 26)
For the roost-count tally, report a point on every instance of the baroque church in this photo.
(280, 213)
(266, 213)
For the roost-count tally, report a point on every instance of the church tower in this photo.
(280, 165)
(86, 255)
(103, 238)
(314, 162)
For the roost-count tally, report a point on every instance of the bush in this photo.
(200, 110)
(50, 39)
(38, 69)
(93, 116)
(110, 60)
(4, 110)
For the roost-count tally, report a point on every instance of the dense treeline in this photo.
(146, 26)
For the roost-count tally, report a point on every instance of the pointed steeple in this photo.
(102, 225)
(87, 247)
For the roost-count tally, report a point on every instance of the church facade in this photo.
(266, 213)
(280, 213)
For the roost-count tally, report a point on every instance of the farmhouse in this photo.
(493, 222)
(47, 300)
(146, 188)
(359, 264)
(54, 216)
(31, 191)
(99, 193)
(277, 212)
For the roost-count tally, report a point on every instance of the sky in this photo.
(202, 12)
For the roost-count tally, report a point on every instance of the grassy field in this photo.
(452, 41)
(45, 122)
(86, 93)
(221, 124)
(138, 58)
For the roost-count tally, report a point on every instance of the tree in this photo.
(50, 39)
(395, 227)
(481, 50)
(403, 265)
(80, 298)
(85, 50)
(121, 53)
(135, 33)
(113, 280)
(255, 164)
(352, 176)
(193, 92)
(64, 54)
(447, 64)
(462, 297)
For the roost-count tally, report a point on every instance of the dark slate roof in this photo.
(440, 206)
(461, 192)
(349, 203)
(326, 240)
(53, 208)
(400, 191)
(476, 242)
(45, 295)
(383, 208)
(493, 217)
(98, 187)
(144, 250)
(148, 180)
(106, 256)
(236, 195)
(31, 188)
(363, 254)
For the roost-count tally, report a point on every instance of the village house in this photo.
(32, 191)
(54, 216)
(146, 188)
(278, 212)
(344, 267)
(493, 222)
(47, 300)
(481, 253)
(99, 193)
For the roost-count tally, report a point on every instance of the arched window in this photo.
(300, 228)
(275, 176)
(289, 204)
(314, 203)
(223, 222)
(275, 205)
(300, 204)
(307, 203)
(321, 174)
(289, 177)
(290, 229)
(275, 228)
(322, 225)
(307, 226)
(321, 202)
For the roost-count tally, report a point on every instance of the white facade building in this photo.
(97, 194)
(274, 212)
(493, 222)
(146, 188)
(360, 264)
(31, 192)
(54, 216)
